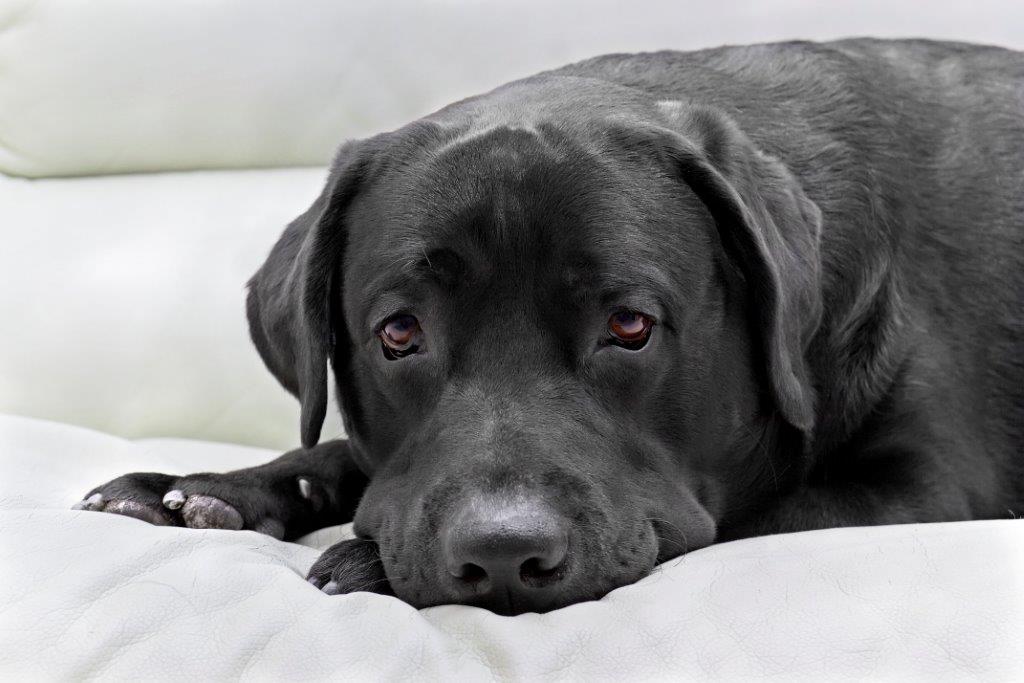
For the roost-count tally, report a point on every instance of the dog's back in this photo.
(914, 152)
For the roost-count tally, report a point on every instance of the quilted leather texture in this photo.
(85, 595)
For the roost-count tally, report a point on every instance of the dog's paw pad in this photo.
(207, 512)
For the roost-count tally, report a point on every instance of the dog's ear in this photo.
(770, 228)
(289, 296)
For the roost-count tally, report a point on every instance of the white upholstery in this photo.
(111, 86)
(124, 302)
(90, 595)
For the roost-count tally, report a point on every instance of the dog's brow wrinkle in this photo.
(484, 131)
(672, 107)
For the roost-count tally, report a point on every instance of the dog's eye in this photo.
(629, 329)
(400, 336)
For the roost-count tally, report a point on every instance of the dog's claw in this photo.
(207, 512)
(174, 499)
(305, 488)
(331, 588)
(93, 502)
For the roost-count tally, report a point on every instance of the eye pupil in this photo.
(629, 329)
(400, 336)
(628, 324)
(400, 329)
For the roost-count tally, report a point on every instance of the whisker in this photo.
(685, 545)
(671, 541)
(361, 567)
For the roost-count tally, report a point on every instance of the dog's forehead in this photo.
(517, 203)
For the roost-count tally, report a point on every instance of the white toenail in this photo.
(174, 499)
(305, 488)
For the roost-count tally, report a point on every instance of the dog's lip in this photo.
(668, 547)
(504, 605)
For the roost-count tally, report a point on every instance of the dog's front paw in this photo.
(348, 567)
(238, 500)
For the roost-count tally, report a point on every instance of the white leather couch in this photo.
(150, 153)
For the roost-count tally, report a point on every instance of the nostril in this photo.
(533, 573)
(471, 573)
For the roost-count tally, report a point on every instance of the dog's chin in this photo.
(506, 605)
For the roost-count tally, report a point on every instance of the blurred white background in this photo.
(122, 301)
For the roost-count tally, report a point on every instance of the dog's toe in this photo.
(207, 512)
(134, 495)
(131, 508)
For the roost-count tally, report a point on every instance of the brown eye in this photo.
(400, 336)
(629, 329)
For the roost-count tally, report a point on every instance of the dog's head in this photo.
(566, 348)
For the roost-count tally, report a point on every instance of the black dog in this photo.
(611, 313)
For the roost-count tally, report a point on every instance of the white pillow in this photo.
(91, 595)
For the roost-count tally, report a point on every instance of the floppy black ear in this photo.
(288, 302)
(770, 228)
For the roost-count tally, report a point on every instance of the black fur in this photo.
(828, 235)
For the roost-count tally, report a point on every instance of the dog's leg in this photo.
(299, 492)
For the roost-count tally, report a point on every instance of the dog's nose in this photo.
(508, 556)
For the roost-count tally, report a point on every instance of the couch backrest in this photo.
(122, 306)
(116, 86)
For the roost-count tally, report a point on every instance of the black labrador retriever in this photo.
(621, 310)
